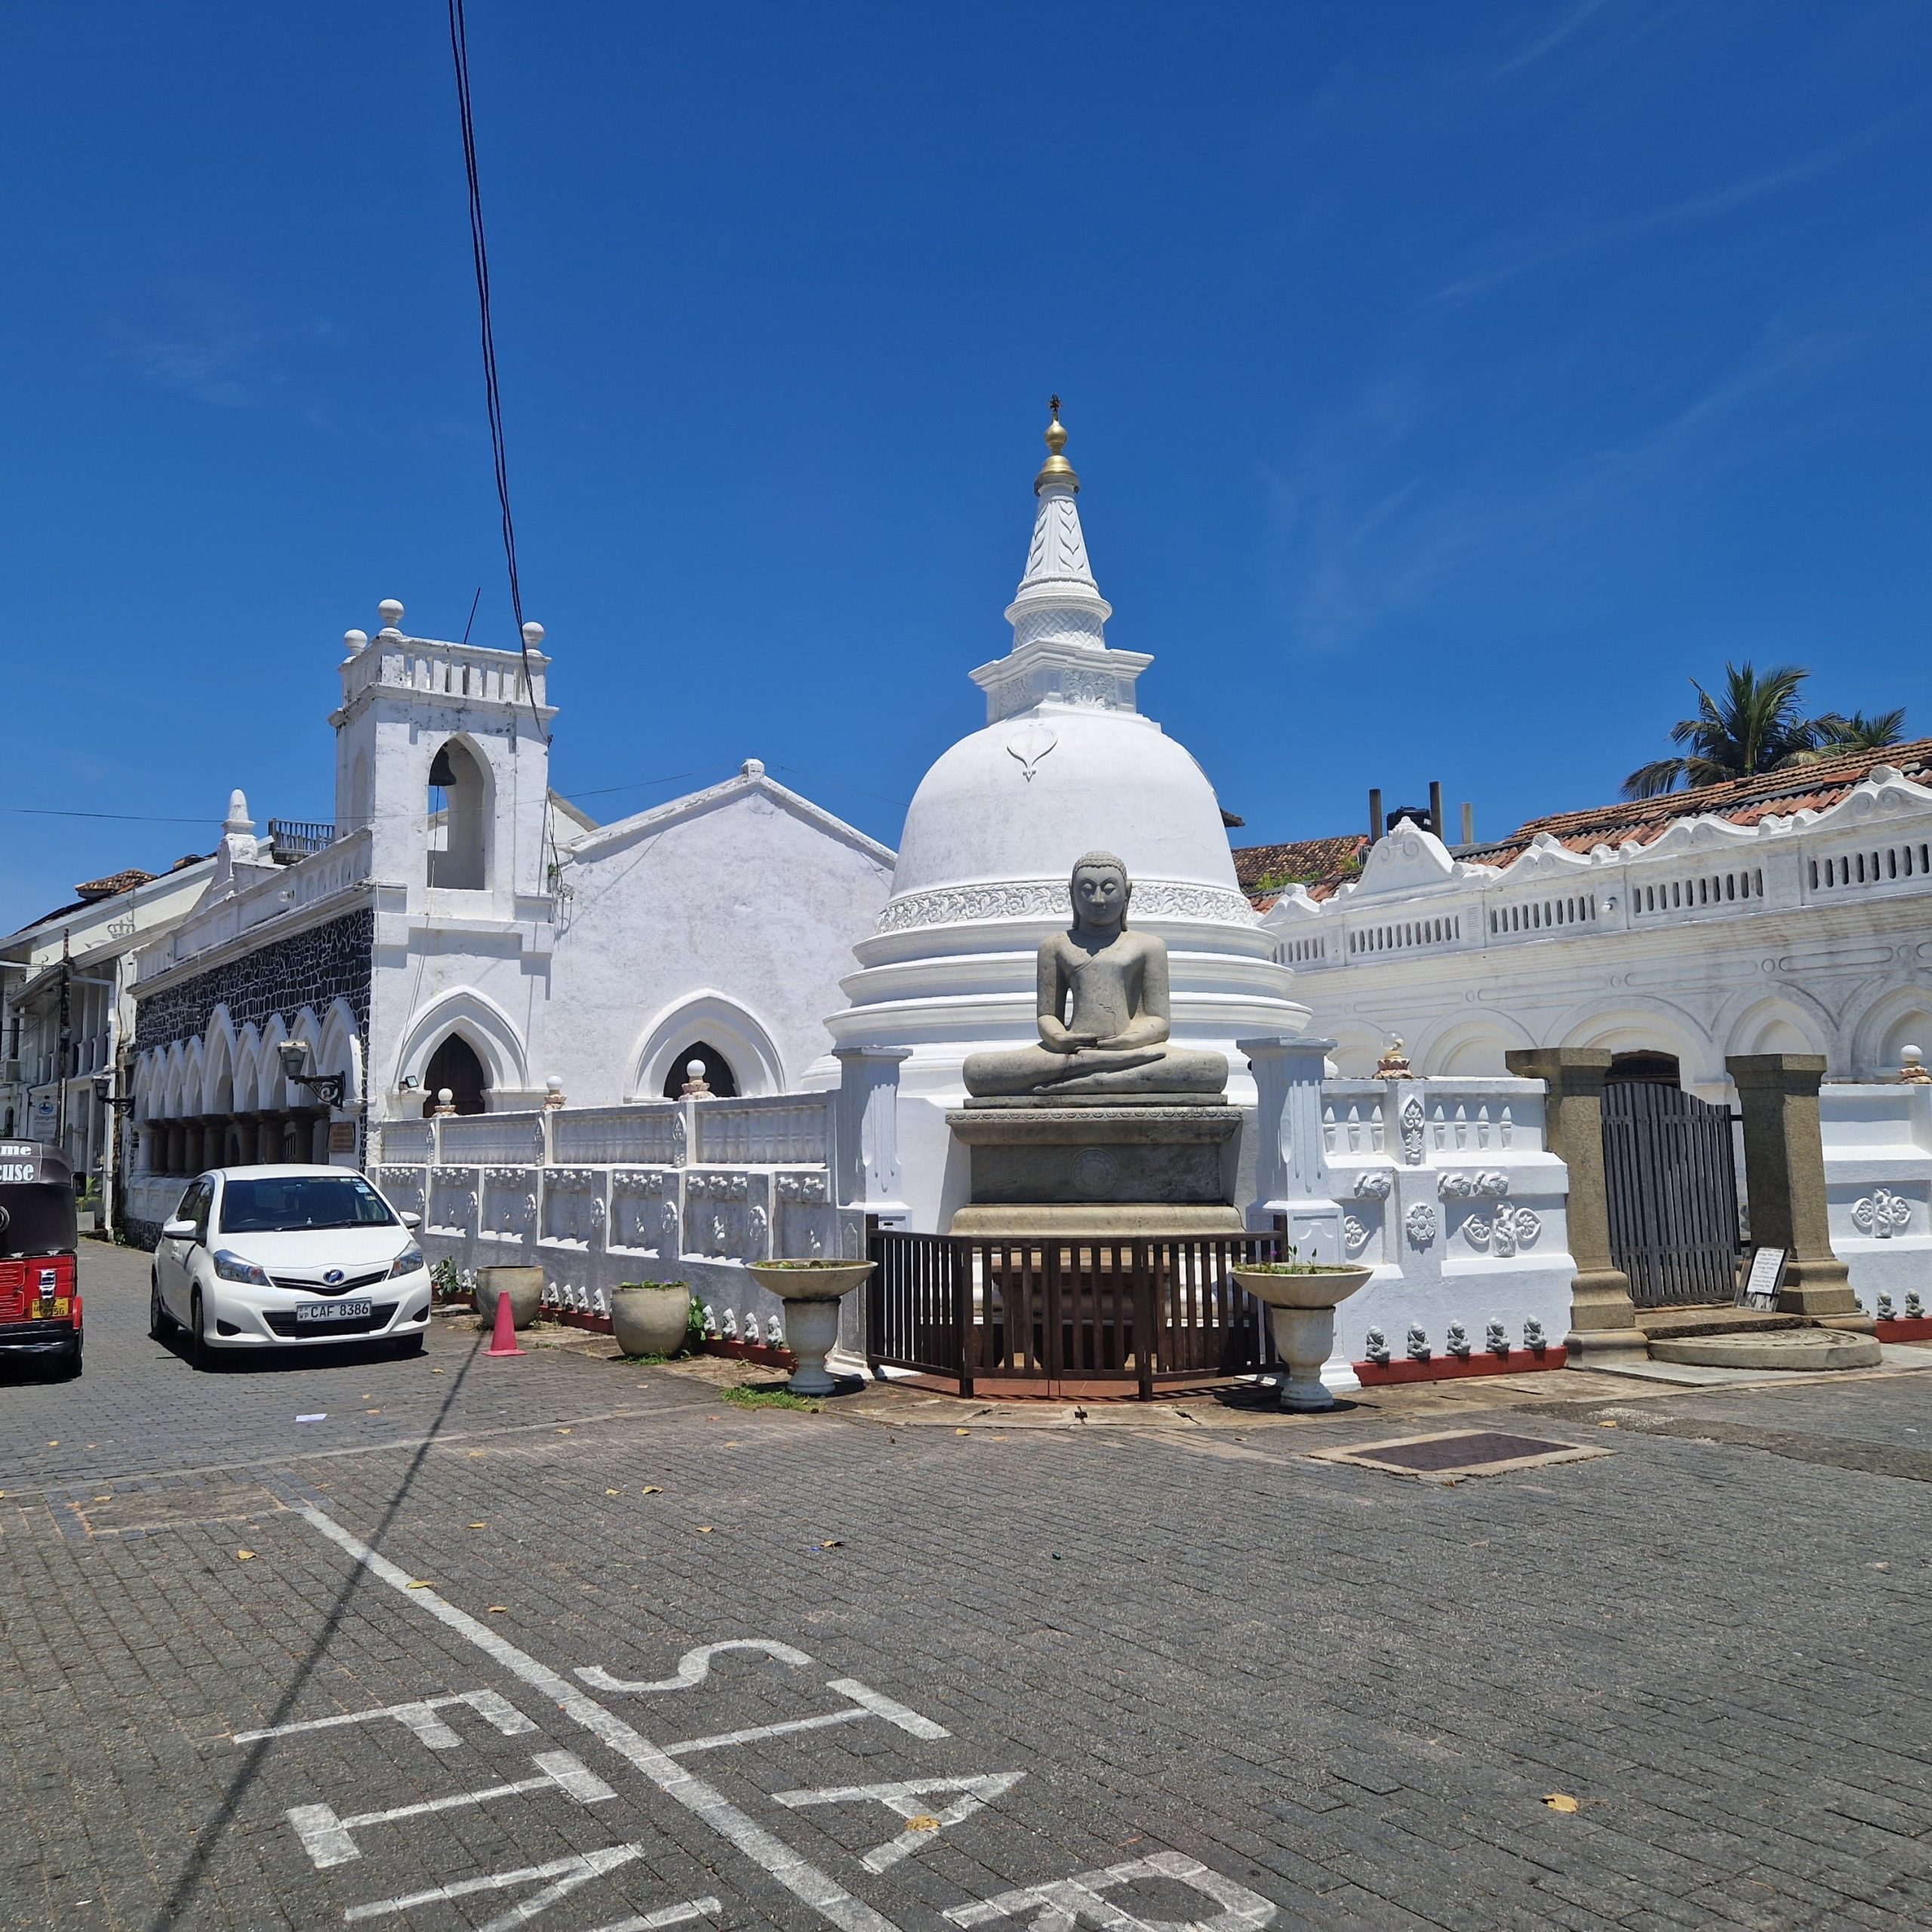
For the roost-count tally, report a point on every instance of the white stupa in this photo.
(1066, 764)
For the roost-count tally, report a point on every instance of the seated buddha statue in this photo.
(1103, 1009)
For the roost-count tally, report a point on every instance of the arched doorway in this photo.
(454, 1065)
(717, 1074)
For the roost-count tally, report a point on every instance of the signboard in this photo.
(1763, 1278)
(341, 1136)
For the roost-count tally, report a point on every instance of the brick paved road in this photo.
(1214, 1681)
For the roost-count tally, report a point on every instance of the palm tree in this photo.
(1754, 724)
(1858, 733)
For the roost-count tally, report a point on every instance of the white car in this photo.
(274, 1257)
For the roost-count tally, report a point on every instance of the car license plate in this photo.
(332, 1311)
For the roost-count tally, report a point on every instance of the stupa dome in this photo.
(996, 824)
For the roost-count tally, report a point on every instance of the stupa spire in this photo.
(1058, 602)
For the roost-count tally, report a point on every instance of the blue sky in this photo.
(1448, 383)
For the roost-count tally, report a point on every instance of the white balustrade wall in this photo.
(670, 1190)
(1446, 1189)
(1878, 1189)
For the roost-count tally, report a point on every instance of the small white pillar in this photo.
(866, 1132)
(1291, 1165)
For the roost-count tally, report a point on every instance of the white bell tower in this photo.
(443, 760)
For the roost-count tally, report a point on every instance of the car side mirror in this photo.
(410, 1220)
(177, 1231)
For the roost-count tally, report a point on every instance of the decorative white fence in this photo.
(668, 1190)
(1878, 1190)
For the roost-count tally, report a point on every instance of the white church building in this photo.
(460, 929)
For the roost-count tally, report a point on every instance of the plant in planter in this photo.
(651, 1317)
(1301, 1297)
(446, 1280)
(811, 1291)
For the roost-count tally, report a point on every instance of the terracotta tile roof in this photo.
(1321, 864)
(1741, 801)
(106, 888)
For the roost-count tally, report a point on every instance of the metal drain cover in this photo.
(1451, 1455)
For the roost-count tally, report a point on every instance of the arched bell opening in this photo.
(459, 820)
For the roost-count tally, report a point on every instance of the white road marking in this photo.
(1061, 1904)
(866, 1702)
(418, 1714)
(327, 1837)
(569, 1873)
(771, 1855)
(905, 1798)
(693, 1667)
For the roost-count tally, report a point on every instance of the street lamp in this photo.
(103, 1092)
(326, 1087)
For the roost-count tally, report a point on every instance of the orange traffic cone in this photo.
(503, 1341)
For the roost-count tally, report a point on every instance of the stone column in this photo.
(1603, 1318)
(1290, 1166)
(866, 1155)
(1784, 1181)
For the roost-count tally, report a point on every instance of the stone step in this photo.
(1660, 1324)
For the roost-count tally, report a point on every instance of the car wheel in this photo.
(200, 1355)
(160, 1324)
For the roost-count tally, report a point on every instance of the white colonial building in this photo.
(1787, 913)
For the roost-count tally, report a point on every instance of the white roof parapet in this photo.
(1877, 838)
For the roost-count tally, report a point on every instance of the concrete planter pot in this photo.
(1301, 1308)
(811, 1291)
(650, 1318)
(524, 1286)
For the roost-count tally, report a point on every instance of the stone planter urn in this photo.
(811, 1291)
(1301, 1298)
(650, 1318)
(524, 1286)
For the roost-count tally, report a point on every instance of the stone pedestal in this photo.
(1603, 1318)
(1784, 1181)
(1098, 1167)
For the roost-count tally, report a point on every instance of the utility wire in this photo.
(460, 55)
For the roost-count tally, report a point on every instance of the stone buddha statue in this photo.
(1102, 1008)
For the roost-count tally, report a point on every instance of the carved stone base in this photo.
(1104, 1160)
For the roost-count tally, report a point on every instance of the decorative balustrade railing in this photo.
(501, 1138)
(779, 1128)
(1146, 1310)
(650, 1132)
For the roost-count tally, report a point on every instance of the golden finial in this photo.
(1057, 468)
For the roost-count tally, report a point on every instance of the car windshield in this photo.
(302, 1201)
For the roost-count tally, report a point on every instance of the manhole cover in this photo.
(1452, 1454)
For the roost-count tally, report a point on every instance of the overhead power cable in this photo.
(479, 250)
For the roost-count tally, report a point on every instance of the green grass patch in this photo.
(770, 1398)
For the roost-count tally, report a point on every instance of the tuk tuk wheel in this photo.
(160, 1324)
(200, 1355)
(68, 1362)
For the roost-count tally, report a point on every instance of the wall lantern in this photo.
(326, 1087)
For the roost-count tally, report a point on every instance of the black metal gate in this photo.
(1671, 1180)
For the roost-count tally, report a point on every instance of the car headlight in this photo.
(406, 1262)
(230, 1267)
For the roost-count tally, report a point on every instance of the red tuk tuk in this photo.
(40, 1295)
